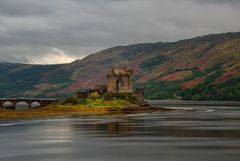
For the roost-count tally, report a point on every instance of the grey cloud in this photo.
(30, 29)
(13, 58)
(219, 1)
(24, 8)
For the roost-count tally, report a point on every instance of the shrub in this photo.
(108, 96)
(71, 100)
(94, 95)
(127, 97)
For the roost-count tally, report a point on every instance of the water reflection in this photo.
(163, 125)
(191, 135)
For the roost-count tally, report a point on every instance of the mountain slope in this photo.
(18, 80)
(174, 70)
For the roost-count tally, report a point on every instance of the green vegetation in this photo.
(160, 90)
(16, 79)
(126, 97)
(229, 91)
(107, 100)
(87, 102)
(61, 77)
(94, 95)
(150, 63)
(208, 90)
(108, 96)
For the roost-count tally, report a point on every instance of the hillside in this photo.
(202, 68)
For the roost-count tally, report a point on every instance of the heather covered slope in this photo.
(202, 68)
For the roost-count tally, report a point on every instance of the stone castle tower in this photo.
(120, 80)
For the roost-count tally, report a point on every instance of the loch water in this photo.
(191, 133)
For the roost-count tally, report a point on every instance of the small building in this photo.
(82, 93)
(85, 93)
(120, 80)
(100, 89)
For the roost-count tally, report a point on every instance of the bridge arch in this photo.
(35, 104)
(8, 104)
(21, 105)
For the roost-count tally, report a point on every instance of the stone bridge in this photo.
(14, 101)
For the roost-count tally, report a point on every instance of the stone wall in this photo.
(120, 80)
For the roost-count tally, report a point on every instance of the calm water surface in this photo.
(197, 133)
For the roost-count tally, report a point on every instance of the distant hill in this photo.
(202, 68)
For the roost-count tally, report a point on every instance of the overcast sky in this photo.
(60, 31)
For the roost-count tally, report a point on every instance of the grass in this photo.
(103, 103)
(50, 111)
(98, 103)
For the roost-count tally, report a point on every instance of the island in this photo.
(117, 96)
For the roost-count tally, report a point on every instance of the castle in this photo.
(120, 80)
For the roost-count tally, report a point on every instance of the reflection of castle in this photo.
(120, 80)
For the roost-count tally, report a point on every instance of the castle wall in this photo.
(120, 81)
(112, 83)
(125, 84)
